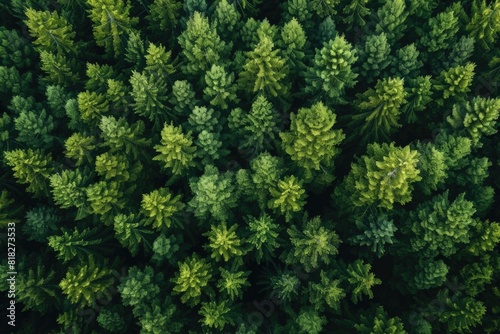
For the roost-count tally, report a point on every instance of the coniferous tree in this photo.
(485, 23)
(312, 142)
(331, 72)
(380, 323)
(384, 176)
(264, 71)
(161, 207)
(193, 276)
(87, 282)
(176, 149)
(201, 45)
(215, 194)
(374, 56)
(288, 197)
(391, 19)
(313, 245)
(31, 167)
(263, 236)
(220, 88)
(361, 280)
(379, 110)
(111, 23)
(53, 33)
(36, 289)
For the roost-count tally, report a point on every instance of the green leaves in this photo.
(384, 176)
(176, 149)
(110, 22)
(288, 197)
(331, 72)
(313, 245)
(312, 142)
(223, 242)
(193, 275)
(161, 207)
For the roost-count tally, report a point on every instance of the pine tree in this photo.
(215, 194)
(57, 96)
(34, 128)
(263, 236)
(441, 31)
(183, 98)
(419, 95)
(161, 208)
(36, 289)
(326, 292)
(53, 33)
(379, 110)
(41, 223)
(285, 285)
(227, 20)
(476, 118)
(15, 50)
(379, 323)
(406, 62)
(313, 245)
(374, 56)
(439, 226)
(164, 15)
(120, 136)
(264, 71)
(92, 106)
(105, 198)
(331, 72)
(455, 82)
(110, 22)
(232, 282)
(310, 322)
(384, 176)
(259, 127)
(176, 149)
(485, 23)
(69, 189)
(433, 168)
(312, 142)
(149, 96)
(216, 315)
(391, 19)
(130, 232)
(292, 42)
(461, 314)
(58, 69)
(201, 45)
(288, 197)
(158, 63)
(220, 88)
(116, 167)
(140, 287)
(426, 274)
(377, 231)
(356, 12)
(31, 167)
(98, 76)
(224, 243)
(361, 280)
(193, 276)
(79, 147)
(87, 282)
(78, 244)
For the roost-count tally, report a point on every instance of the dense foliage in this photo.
(249, 166)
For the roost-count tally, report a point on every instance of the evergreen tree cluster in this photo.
(249, 166)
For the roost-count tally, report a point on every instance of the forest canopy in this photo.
(250, 166)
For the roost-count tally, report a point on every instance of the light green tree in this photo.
(176, 149)
(384, 176)
(224, 243)
(264, 71)
(361, 280)
(161, 208)
(111, 22)
(312, 142)
(193, 276)
(87, 282)
(288, 197)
